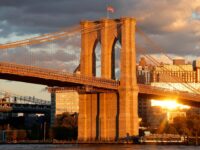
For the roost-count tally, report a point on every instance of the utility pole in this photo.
(44, 136)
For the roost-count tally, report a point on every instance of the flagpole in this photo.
(107, 12)
(107, 15)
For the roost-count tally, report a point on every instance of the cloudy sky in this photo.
(173, 24)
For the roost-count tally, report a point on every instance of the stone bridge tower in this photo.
(109, 116)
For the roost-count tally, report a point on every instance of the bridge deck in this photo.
(184, 97)
(24, 108)
(50, 77)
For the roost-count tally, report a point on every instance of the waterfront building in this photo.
(143, 72)
(174, 73)
(66, 101)
(152, 116)
(178, 72)
(156, 117)
(178, 61)
(144, 106)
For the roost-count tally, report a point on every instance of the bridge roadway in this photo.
(50, 77)
(24, 108)
(187, 98)
(30, 74)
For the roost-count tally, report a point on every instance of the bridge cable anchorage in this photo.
(148, 40)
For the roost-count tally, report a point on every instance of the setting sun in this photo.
(168, 104)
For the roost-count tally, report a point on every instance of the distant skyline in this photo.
(174, 24)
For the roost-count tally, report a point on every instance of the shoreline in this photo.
(94, 142)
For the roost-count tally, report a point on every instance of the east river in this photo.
(96, 147)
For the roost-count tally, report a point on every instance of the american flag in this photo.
(110, 9)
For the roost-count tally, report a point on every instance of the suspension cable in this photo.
(158, 48)
(53, 36)
(188, 86)
(156, 63)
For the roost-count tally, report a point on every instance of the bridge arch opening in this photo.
(96, 59)
(116, 48)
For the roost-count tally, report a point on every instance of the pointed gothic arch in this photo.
(96, 59)
(115, 59)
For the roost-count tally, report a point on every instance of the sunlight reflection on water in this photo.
(96, 147)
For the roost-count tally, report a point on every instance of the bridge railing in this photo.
(177, 92)
(58, 74)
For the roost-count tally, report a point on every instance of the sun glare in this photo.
(168, 104)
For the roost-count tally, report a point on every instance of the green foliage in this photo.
(67, 120)
(170, 129)
(66, 127)
(63, 133)
(36, 132)
(189, 126)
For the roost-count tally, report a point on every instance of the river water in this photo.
(96, 147)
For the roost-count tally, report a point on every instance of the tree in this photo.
(193, 123)
(170, 129)
(66, 127)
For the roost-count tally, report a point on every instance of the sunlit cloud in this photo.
(12, 37)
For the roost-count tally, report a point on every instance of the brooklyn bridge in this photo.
(108, 106)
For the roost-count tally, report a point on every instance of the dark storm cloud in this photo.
(39, 16)
(25, 56)
(168, 22)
